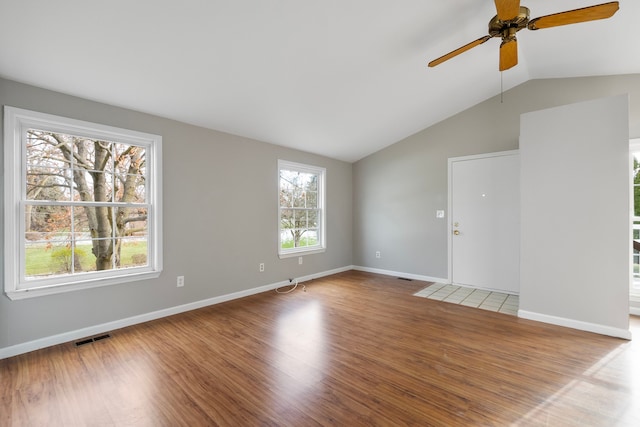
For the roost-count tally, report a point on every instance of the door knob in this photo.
(456, 232)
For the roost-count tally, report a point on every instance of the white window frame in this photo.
(321, 246)
(16, 123)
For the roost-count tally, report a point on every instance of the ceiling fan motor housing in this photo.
(508, 29)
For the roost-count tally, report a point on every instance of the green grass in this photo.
(288, 244)
(44, 261)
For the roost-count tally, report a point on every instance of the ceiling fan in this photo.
(512, 18)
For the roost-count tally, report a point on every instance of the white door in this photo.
(485, 221)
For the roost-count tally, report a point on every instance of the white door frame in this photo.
(450, 162)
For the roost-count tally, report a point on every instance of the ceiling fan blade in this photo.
(591, 13)
(458, 51)
(507, 9)
(508, 54)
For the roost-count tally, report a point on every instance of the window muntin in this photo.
(301, 209)
(82, 204)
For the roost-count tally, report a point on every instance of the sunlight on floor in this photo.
(299, 350)
(613, 402)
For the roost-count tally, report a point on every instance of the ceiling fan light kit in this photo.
(511, 18)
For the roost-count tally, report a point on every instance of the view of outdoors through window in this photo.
(299, 209)
(636, 222)
(85, 208)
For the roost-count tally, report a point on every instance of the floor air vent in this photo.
(90, 340)
(405, 278)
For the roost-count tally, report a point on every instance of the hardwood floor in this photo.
(354, 349)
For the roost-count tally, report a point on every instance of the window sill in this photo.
(300, 252)
(89, 284)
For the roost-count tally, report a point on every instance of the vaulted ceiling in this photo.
(338, 78)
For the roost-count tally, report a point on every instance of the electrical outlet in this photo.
(261, 267)
(180, 282)
(299, 260)
(377, 254)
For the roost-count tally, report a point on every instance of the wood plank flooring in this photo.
(355, 349)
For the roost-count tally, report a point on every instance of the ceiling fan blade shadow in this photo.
(591, 13)
(508, 54)
(507, 9)
(458, 51)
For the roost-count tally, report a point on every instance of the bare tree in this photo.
(299, 203)
(67, 168)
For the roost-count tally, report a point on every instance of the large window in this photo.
(301, 209)
(82, 204)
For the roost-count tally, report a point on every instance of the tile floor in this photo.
(486, 300)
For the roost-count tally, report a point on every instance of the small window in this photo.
(82, 204)
(301, 209)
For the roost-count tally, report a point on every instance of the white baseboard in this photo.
(323, 274)
(400, 274)
(26, 347)
(576, 324)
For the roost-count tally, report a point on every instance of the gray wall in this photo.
(575, 229)
(220, 221)
(399, 189)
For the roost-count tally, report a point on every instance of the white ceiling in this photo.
(341, 78)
